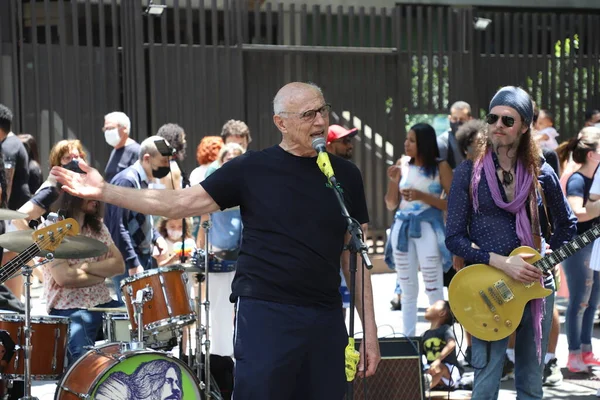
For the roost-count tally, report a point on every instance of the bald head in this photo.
(291, 94)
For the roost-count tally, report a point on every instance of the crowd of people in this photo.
(507, 172)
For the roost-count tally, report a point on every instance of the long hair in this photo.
(150, 377)
(31, 146)
(528, 151)
(587, 140)
(70, 205)
(427, 148)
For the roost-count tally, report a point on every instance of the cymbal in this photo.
(70, 246)
(6, 214)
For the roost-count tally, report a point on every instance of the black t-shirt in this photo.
(434, 340)
(579, 185)
(35, 176)
(293, 228)
(45, 197)
(121, 159)
(15, 155)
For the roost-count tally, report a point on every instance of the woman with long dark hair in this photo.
(416, 191)
(583, 282)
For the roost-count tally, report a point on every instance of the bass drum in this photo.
(115, 372)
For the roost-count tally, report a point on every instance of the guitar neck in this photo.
(11, 267)
(568, 249)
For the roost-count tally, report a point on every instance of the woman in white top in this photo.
(416, 190)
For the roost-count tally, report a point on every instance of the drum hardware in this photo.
(206, 225)
(141, 296)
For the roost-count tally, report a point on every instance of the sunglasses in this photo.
(506, 120)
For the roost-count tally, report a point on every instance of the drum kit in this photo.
(133, 362)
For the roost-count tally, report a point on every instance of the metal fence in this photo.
(64, 64)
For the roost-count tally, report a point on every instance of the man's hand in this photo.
(516, 267)
(373, 356)
(88, 186)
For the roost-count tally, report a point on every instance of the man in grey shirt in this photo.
(460, 112)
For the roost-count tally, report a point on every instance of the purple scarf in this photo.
(518, 206)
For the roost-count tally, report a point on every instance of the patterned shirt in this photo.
(63, 298)
(493, 229)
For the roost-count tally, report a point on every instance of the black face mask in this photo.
(160, 172)
(455, 125)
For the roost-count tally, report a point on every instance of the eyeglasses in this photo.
(507, 121)
(310, 115)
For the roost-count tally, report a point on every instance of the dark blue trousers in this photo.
(288, 352)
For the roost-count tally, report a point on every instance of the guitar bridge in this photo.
(504, 291)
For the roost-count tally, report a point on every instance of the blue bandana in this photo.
(515, 98)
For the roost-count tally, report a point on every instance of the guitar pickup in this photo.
(487, 301)
(504, 291)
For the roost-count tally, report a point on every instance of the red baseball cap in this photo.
(337, 132)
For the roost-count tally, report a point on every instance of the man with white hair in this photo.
(126, 150)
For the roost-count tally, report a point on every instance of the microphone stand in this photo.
(185, 182)
(355, 246)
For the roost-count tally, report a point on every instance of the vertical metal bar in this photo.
(553, 67)
(115, 49)
(76, 65)
(409, 48)
(351, 29)
(574, 91)
(103, 89)
(430, 59)
(316, 23)
(62, 40)
(361, 27)
(92, 88)
(226, 82)
(450, 35)
(17, 62)
(178, 65)
(50, 75)
(328, 25)
(546, 59)
(215, 60)
(420, 75)
(257, 16)
(202, 106)
(269, 12)
(21, 68)
(36, 65)
(152, 71)
(339, 40)
(535, 53)
(591, 62)
(280, 23)
(440, 64)
(167, 109)
(192, 118)
(383, 29)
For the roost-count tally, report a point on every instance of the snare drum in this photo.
(115, 327)
(49, 337)
(114, 371)
(169, 306)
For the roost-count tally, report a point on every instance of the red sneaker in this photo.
(590, 359)
(575, 363)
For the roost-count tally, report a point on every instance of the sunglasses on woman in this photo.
(507, 121)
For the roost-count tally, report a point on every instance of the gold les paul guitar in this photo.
(489, 304)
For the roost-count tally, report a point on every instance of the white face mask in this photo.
(174, 234)
(112, 137)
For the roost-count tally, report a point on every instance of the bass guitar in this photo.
(489, 304)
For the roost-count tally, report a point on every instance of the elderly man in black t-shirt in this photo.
(289, 334)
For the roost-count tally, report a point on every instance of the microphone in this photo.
(323, 159)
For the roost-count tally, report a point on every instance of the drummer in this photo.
(72, 286)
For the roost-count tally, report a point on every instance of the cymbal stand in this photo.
(206, 225)
(26, 271)
(141, 297)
